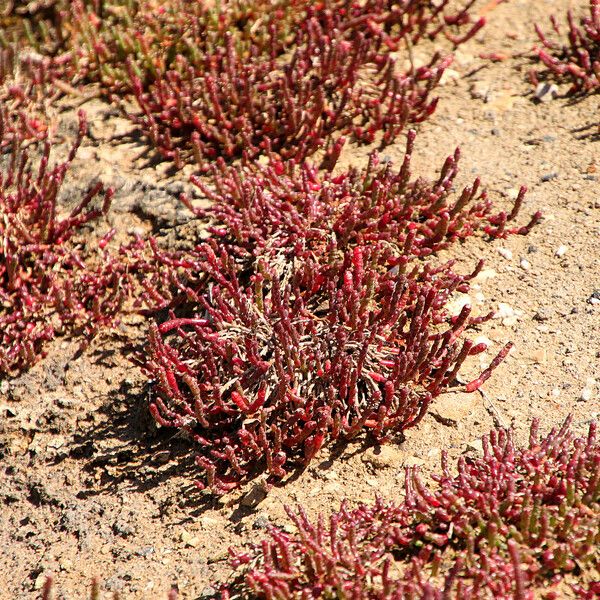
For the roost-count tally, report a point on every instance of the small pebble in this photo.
(190, 540)
(545, 92)
(532, 249)
(586, 394)
(484, 275)
(65, 564)
(561, 251)
(504, 311)
(539, 357)
(475, 446)
(255, 496)
(505, 253)
(262, 522)
(508, 315)
(594, 299)
(39, 581)
(525, 264)
(449, 75)
(548, 177)
(543, 314)
(381, 457)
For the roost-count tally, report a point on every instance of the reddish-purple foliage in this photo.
(303, 354)
(512, 524)
(579, 61)
(230, 81)
(333, 84)
(44, 283)
(100, 37)
(414, 19)
(338, 80)
(286, 206)
(24, 91)
(319, 322)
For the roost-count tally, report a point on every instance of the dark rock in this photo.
(123, 527)
(39, 494)
(543, 314)
(548, 177)
(594, 297)
(262, 522)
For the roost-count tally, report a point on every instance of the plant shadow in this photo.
(590, 132)
(126, 451)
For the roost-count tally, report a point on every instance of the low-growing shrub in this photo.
(244, 78)
(333, 84)
(283, 206)
(25, 92)
(576, 59)
(270, 372)
(150, 35)
(101, 37)
(318, 320)
(43, 284)
(516, 523)
(53, 280)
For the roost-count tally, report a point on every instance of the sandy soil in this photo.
(89, 487)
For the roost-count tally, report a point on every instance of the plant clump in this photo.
(515, 523)
(42, 284)
(51, 281)
(295, 207)
(101, 37)
(240, 79)
(25, 94)
(318, 319)
(577, 59)
(332, 85)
